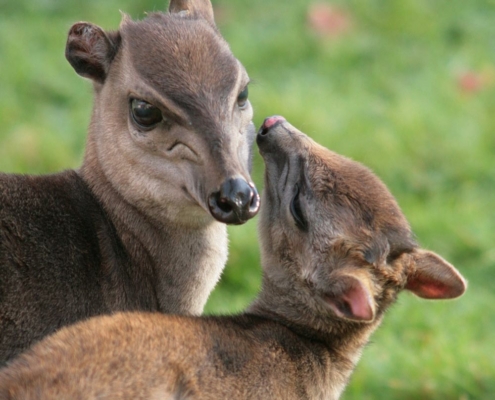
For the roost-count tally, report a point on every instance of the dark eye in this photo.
(296, 211)
(144, 114)
(242, 98)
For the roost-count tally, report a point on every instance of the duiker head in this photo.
(171, 127)
(333, 237)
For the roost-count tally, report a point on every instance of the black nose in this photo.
(269, 123)
(235, 202)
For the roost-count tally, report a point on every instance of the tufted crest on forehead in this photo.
(184, 58)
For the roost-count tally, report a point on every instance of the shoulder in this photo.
(33, 194)
(48, 209)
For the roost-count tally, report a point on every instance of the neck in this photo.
(183, 260)
(344, 340)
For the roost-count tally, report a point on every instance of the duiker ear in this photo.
(351, 299)
(434, 278)
(90, 50)
(202, 8)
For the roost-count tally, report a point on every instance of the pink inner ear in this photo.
(359, 303)
(354, 303)
(430, 289)
(434, 278)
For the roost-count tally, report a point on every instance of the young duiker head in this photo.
(171, 127)
(336, 248)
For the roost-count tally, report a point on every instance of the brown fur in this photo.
(141, 225)
(330, 271)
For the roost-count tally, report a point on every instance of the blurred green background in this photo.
(405, 86)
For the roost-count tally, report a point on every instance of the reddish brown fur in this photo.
(333, 262)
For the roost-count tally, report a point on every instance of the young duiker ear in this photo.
(201, 8)
(90, 50)
(350, 298)
(434, 278)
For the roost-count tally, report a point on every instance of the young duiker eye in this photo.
(243, 98)
(297, 212)
(144, 114)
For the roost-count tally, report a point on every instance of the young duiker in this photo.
(336, 251)
(141, 225)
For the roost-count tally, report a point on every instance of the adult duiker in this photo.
(142, 224)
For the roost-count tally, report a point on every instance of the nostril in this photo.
(224, 205)
(263, 131)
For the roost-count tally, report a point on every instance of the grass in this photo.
(389, 93)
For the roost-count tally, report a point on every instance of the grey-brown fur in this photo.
(135, 228)
(327, 281)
